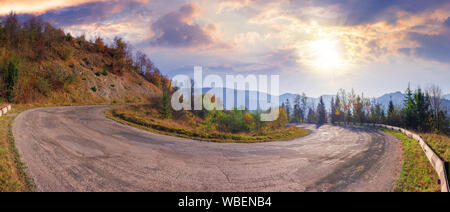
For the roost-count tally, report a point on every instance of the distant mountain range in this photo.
(447, 97)
(397, 98)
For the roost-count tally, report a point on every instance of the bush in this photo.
(230, 121)
(43, 86)
(94, 89)
(59, 78)
(86, 61)
(97, 74)
(66, 54)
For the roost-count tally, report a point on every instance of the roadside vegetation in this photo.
(13, 175)
(417, 174)
(219, 126)
(439, 143)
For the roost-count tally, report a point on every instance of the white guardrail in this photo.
(435, 160)
(4, 110)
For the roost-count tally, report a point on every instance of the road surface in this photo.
(78, 149)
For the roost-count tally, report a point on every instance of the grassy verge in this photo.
(12, 171)
(154, 125)
(439, 143)
(417, 174)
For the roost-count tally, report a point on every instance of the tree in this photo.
(409, 110)
(345, 104)
(422, 105)
(288, 109)
(282, 118)
(303, 106)
(11, 75)
(311, 117)
(12, 27)
(166, 112)
(143, 63)
(321, 112)
(298, 112)
(358, 109)
(436, 108)
(100, 45)
(338, 106)
(119, 55)
(333, 113)
(249, 120)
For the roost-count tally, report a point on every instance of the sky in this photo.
(316, 46)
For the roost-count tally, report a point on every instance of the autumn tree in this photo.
(100, 45)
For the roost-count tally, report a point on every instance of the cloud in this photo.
(447, 22)
(368, 11)
(177, 29)
(38, 6)
(93, 12)
(433, 47)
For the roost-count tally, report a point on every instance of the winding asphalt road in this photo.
(78, 149)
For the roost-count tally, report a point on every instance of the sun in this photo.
(323, 54)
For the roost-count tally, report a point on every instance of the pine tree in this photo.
(421, 109)
(298, 113)
(11, 75)
(311, 118)
(165, 106)
(288, 109)
(321, 112)
(391, 112)
(303, 106)
(333, 111)
(409, 111)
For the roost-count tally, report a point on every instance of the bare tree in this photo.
(303, 105)
(436, 104)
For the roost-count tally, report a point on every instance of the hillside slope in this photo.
(40, 64)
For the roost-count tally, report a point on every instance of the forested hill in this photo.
(42, 64)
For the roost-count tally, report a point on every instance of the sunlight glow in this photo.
(325, 54)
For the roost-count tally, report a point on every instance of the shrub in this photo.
(43, 86)
(97, 74)
(59, 78)
(66, 54)
(94, 89)
(86, 61)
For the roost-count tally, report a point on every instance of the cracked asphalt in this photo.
(78, 149)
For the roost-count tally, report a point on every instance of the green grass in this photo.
(153, 125)
(417, 174)
(439, 143)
